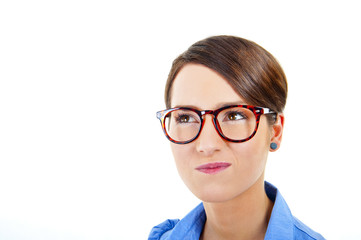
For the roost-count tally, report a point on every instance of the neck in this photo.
(243, 217)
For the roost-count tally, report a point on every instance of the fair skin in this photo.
(235, 202)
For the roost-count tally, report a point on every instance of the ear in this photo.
(277, 130)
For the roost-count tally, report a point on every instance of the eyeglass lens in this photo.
(235, 123)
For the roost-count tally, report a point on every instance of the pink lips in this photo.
(213, 168)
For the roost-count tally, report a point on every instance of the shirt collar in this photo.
(280, 225)
(191, 226)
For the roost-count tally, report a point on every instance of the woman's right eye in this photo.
(185, 118)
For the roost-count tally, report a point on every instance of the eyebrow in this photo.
(219, 105)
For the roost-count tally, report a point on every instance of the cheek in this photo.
(250, 157)
(185, 157)
(182, 157)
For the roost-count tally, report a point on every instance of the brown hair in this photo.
(252, 71)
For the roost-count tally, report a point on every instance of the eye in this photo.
(185, 118)
(234, 116)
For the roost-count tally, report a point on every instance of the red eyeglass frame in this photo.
(257, 111)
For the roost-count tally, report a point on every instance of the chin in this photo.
(215, 194)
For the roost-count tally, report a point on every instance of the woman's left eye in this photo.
(234, 116)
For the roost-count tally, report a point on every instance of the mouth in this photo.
(213, 168)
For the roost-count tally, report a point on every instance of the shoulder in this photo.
(190, 227)
(161, 231)
(303, 232)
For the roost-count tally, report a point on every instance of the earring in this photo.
(274, 146)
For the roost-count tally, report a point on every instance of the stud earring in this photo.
(274, 146)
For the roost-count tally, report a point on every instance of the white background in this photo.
(82, 155)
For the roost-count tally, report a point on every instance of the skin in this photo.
(235, 202)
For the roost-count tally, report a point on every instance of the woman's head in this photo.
(214, 73)
(251, 71)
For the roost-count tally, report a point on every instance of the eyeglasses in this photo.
(236, 123)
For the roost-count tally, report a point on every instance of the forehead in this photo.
(201, 87)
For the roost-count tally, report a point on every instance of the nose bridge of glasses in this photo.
(204, 113)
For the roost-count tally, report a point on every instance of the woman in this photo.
(225, 97)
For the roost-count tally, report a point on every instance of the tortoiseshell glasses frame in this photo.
(257, 112)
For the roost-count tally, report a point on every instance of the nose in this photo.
(209, 141)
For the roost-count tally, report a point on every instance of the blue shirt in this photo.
(282, 224)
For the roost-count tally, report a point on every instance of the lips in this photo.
(213, 168)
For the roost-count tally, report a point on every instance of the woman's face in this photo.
(201, 88)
